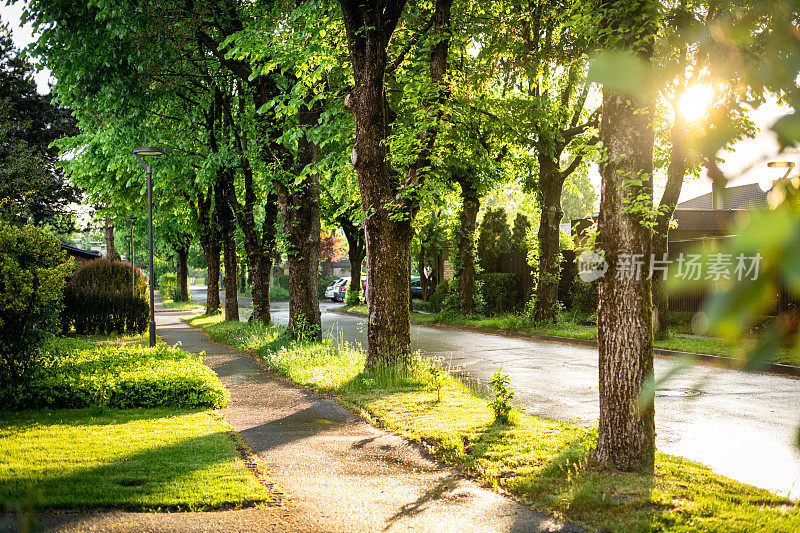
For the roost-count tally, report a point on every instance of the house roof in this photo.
(748, 196)
(78, 252)
(714, 221)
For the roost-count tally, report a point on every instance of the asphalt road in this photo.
(740, 424)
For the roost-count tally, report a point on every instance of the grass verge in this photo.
(150, 459)
(565, 327)
(542, 462)
(190, 304)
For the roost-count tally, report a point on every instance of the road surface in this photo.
(740, 424)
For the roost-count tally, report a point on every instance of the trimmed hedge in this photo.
(100, 299)
(499, 293)
(77, 373)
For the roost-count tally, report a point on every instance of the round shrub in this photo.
(105, 296)
(32, 273)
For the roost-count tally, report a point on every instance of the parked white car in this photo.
(332, 292)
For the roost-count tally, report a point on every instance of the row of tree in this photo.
(368, 112)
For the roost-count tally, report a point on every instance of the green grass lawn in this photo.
(543, 462)
(138, 458)
(191, 304)
(679, 339)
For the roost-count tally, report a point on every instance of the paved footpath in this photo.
(337, 473)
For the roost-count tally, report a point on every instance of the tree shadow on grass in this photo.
(145, 479)
(566, 480)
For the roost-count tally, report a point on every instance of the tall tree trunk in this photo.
(666, 208)
(369, 27)
(242, 274)
(357, 251)
(551, 183)
(388, 261)
(202, 207)
(301, 223)
(626, 433)
(111, 251)
(211, 251)
(302, 227)
(227, 227)
(183, 274)
(260, 254)
(470, 205)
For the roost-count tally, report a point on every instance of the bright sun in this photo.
(694, 103)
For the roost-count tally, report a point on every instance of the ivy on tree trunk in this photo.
(388, 201)
(626, 433)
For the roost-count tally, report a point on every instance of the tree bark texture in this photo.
(180, 242)
(676, 171)
(111, 251)
(202, 206)
(388, 207)
(369, 26)
(357, 250)
(626, 434)
(551, 183)
(470, 205)
(301, 223)
(211, 251)
(182, 274)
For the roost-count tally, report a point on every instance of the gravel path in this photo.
(336, 471)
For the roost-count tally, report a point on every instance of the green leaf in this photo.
(621, 72)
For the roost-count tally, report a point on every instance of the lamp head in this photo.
(147, 151)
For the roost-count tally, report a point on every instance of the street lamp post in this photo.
(150, 151)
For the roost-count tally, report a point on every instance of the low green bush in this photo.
(421, 305)
(499, 293)
(323, 282)
(168, 286)
(283, 281)
(584, 297)
(105, 296)
(437, 298)
(32, 273)
(76, 373)
(278, 293)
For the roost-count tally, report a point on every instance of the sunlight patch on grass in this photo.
(190, 304)
(544, 462)
(137, 458)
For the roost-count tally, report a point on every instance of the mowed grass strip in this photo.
(679, 340)
(543, 462)
(185, 305)
(146, 459)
